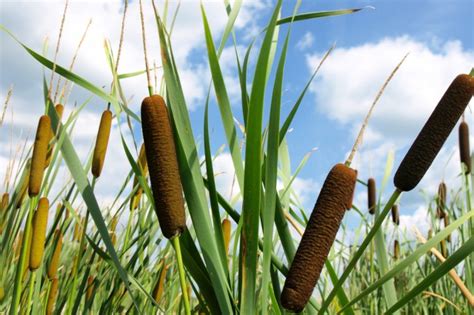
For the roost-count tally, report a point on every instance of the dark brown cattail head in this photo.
(395, 215)
(396, 249)
(101, 143)
(434, 133)
(40, 149)
(334, 199)
(441, 201)
(464, 149)
(163, 166)
(371, 195)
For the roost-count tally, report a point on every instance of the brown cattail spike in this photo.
(464, 149)
(163, 166)
(53, 292)
(334, 199)
(40, 149)
(54, 262)
(160, 284)
(396, 249)
(371, 195)
(40, 222)
(101, 143)
(4, 202)
(90, 287)
(226, 231)
(395, 215)
(441, 201)
(434, 133)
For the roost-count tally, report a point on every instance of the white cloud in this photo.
(306, 41)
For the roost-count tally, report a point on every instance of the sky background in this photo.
(439, 35)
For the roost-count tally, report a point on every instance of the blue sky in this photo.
(438, 34)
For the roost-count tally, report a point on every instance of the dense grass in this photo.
(236, 253)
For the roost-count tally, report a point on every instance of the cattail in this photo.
(90, 287)
(396, 249)
(2, 293)
(19, 241)
(441, 201)
(53, 292)
(40, 149)
(371, 195)
(334, 199)
(395, 215)
(434, 133)
(54, 262)
(446, 223)
(143, 166)
(160, 284)
(464, 149)
(430, 235)
(40, 222)
(77, 231)
(101, 143)
(4, 202)
(226, 230)
(444, 248)
(163, 166)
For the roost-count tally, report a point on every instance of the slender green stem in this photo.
(22, 261)
(470, 231)
(377, 224)
(30, 292)
(182, 278)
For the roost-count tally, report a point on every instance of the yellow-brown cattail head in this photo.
(90, 287)
(2, 292)
(53, 293)
(40, 149)
(395, 215)
(54, 261)
(334, 199)
(4, 202)
(101, 143)
(396, 249)
(441, 201)
(434, 133)
(163, 166)
(464, 149)
(226, 231)
(40, 223)
(160, 284)
(444, 248)
(77, 231)
(371, 195)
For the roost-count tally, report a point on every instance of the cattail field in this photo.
(236, 157)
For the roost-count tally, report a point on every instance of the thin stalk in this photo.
(30, 292)
(182, 278)
(377, 224)
(22, 261)
(470, 227)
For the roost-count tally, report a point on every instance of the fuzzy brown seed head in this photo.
(54, 262)
(395, 215)
(101, 143)
(163, 166)
(434, 133)
(160, 284)
(464, 148)
(53, 292)
(40, 223)
(90, 287)
(226, 230)
(396, 249)
(334, 199)
(371, 195)
(40, 149)
(441, 201)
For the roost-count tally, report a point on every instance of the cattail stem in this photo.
(182, 277)
(355, 258)
(22, 261)
(30, 291)
(142, 19)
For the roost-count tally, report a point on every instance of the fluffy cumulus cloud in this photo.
(306, 41)
(34, 22)
(348, 83)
